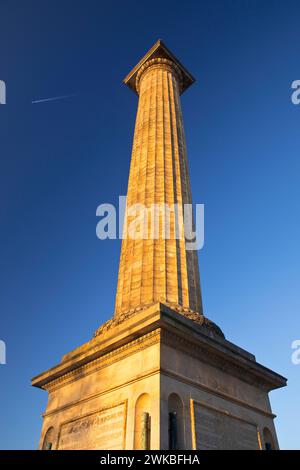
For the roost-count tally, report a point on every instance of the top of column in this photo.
(158, 53)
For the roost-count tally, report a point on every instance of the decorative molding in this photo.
(196, 318)
(168, 338)
(121, 318)
(162, 63)
(159, 49)
(174, 376)
(184, 311)
(99, 394)
(216, 359)
(116, 355)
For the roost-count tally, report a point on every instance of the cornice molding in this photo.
(214, 358)
(105, 360)
(99, 394)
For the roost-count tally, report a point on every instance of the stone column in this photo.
(158, 268)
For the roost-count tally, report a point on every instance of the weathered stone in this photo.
(159, 356)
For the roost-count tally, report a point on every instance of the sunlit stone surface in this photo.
(159, 374)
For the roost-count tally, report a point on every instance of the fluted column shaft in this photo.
(158, 269)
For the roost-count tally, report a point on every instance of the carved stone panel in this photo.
(103, 430)
(215, 429)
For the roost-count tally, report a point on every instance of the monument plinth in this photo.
(158, 374)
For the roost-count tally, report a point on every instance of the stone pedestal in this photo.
(151, 364)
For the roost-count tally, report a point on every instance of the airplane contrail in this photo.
(53, 98)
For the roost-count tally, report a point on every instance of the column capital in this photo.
(159, 63)
(159, 55)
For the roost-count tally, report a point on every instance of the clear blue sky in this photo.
(61, 159)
